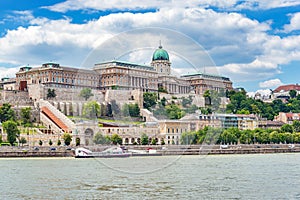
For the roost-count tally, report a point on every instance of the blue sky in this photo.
(255, 43)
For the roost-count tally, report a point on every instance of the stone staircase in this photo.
(147, 115)
(55, 119)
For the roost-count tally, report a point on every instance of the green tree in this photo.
(144, 139)
(6, 113)
(293, 93)
(207, 97)
(51, 93)
(12, 131)
(23, 141)
(116, 139)
(100, 139)
(25, 116)
(229, 136)
(86, 93)
(189, 138)
(235, 102)
(114, 108)
(67, 138)
(150, 99)
(77, 141)
(58, 142)
(134, 110)
(40, 142)
(162, 90)
(246, 137)
(153, 141)
(163, 101)
(212, 135)
(131, 110)
(191, 109)
(296, 126)
(186, 102)
(91, 109)
(50, 142)
(174, 112)
(274, 137)
(287, 128)
(125, 110)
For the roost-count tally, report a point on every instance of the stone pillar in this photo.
(75, 109)
(68, 107)
(55, 104)
(80, 106)
(62, 107)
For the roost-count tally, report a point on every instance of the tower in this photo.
(161, 62)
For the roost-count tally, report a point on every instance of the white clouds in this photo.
(240, 46)
(294, 23)
(64, 34)
(8, 72)
(270, 83)
(265, 4)
(136, 4)
(157, 4)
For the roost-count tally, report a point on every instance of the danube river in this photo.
(268, 176)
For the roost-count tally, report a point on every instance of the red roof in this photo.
(286, 88)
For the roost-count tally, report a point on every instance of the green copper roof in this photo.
(160, 54)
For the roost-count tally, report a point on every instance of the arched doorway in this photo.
(126, 140)
(88, 135)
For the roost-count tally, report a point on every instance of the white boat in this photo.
(108, 153)
(149, 152)
(114, 152)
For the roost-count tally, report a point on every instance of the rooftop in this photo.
(286, 88)
(123, 64)
(205, 76)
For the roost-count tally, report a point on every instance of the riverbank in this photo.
(7, 152)
(14, 152)
(231, 149)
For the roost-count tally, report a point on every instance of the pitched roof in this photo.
(285, 88)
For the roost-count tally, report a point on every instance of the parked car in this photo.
(52, 148)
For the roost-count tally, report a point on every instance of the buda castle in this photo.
(120, 75)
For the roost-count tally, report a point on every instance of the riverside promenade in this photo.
(166, 150)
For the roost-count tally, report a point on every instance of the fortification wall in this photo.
(37, 92)
(15, 98)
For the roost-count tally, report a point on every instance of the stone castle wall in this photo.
(37, 92)
(15, 98)
(125, 96)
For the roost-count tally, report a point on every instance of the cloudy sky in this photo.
(256, 43)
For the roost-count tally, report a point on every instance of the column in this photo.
(68, 108)
(75, 109)
(80, 109)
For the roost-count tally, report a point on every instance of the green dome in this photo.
(160, 54)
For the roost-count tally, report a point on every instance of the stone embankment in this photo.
(11, 152)
(164, 150)
(229, 149)
(213, 149)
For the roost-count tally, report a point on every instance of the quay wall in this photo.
(15, 152)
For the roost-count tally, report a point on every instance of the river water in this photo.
(268, 176)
